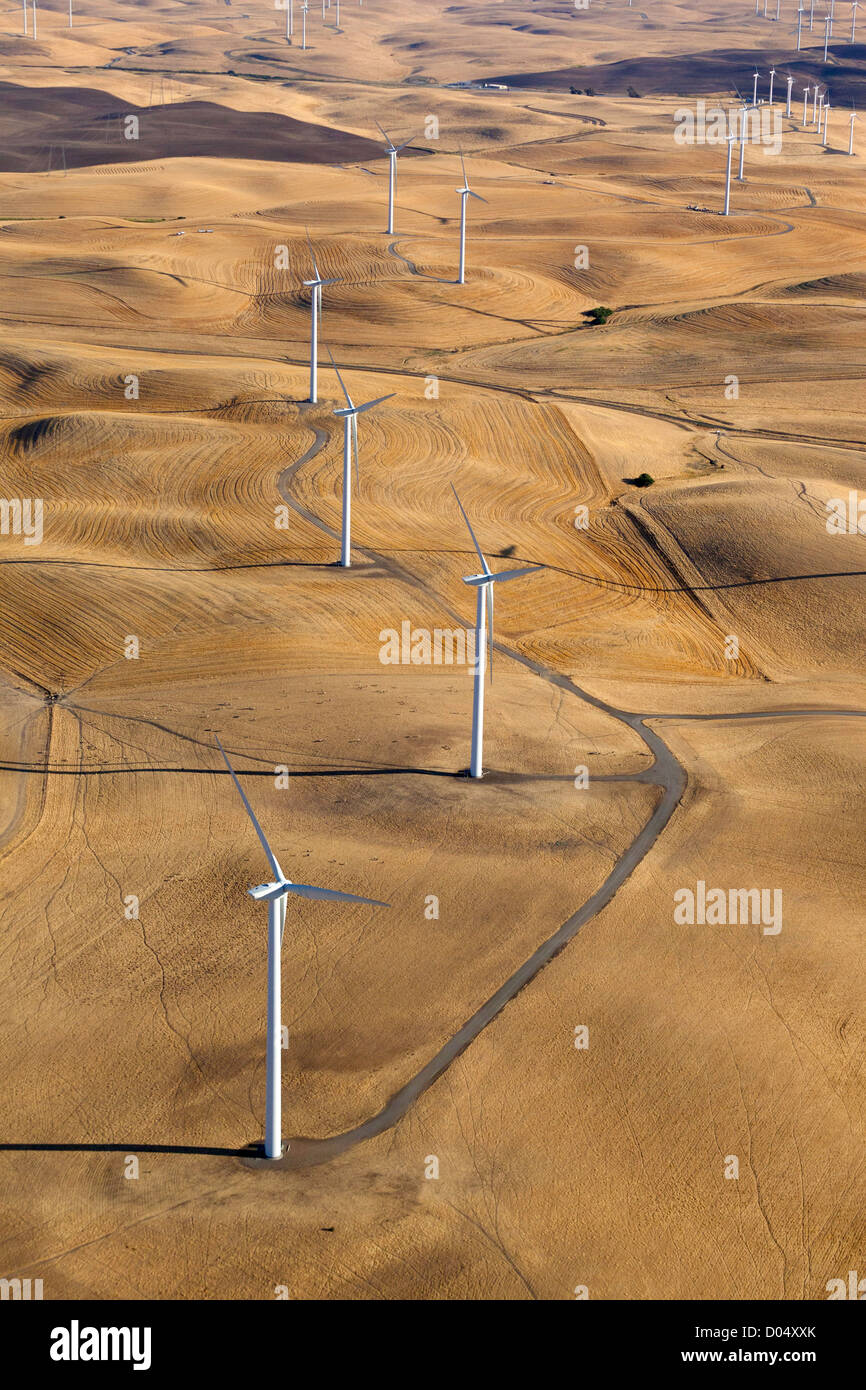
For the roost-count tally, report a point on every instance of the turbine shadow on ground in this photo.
(210, 1152)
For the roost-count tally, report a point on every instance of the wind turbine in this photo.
(806, 91)
(304, 9)
(275, 894)
(34, 19)
(392, 151)
(828, 24)
(811, 14)
(756, 75)
(853, 19)
(826, 122)
(790, 81)
(290, 20)
(349, 415)
(851, 133)
(24, 6)
(800, 14)
(465, 192)
(778, 9)
(315, 317)
(70, 14)
(772, 79)
(483, 584)
(814, 119)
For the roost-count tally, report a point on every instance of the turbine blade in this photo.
(404, 144)
(515, 574)
(306, 890)
(476, 195)
(386, 135)
(282, 919)
(463, 167)
(368, 405)
(272, 858)
(313, 254)
(484, 563)
(341, 381)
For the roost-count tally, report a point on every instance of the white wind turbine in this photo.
(392, 151)
(851, 133)
(349, 415)
(826, 122)
(806, 91)
(853, 19)
(304, 9)
(772, 79)
(315, 285)
(290, 20)
(483, 584)
(465, 192)
(756, 75)
(800, 14)
(275, 894)
(24, 6)
(790, 82)
(814, 120)
(828, 25)
(34, 19)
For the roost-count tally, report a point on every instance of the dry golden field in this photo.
(677, 698)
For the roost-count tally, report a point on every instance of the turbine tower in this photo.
(483, 584)
(756, 75)
(806, 91)
(275, 894)
(731, 138)
(800, 14)
(392, 151)
(790, 81)
(826, 122)
(349, 415)
(772, 79)
(853, 19)
(828, 24)
(851, 133)
(744, 125)
(315, 285)
(304, 9)
(465, 192)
